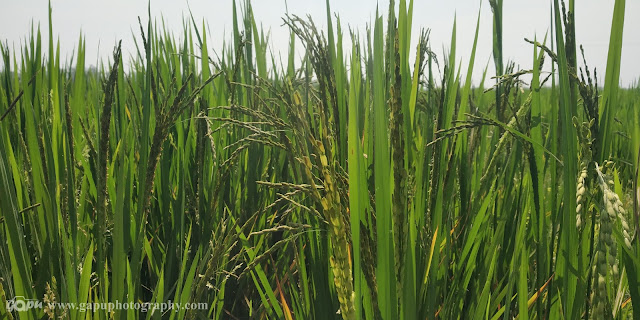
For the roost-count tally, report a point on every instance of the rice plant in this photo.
(361, 181)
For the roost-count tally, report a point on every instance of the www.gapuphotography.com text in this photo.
(20, 304)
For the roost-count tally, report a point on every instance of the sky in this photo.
(105, 22)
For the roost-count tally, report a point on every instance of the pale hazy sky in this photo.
(104, 22)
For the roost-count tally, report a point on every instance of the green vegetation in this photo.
(368, 186)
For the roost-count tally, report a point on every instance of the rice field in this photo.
(368, 180)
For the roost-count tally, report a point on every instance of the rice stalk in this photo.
(103, 154)
(399, 197)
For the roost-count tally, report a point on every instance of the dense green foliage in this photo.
(366, 186)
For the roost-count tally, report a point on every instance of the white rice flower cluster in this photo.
(580, 195)
(613, 207)
(584, 156)
(606, 249)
